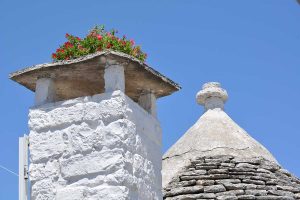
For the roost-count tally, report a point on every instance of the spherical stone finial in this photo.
(212, 96)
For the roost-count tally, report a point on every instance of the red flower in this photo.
(132, 42)
(109, 45)
(96, 40)
(54, 56)
(59, 50)
(68, 44)
(93, 34)
(99, 37)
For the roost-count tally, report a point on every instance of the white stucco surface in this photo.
(148, 102)
(114, 78)
(89, 148)
(44, 91)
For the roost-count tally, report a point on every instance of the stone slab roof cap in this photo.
(85, 76)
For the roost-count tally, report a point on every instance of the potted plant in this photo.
(98, 39)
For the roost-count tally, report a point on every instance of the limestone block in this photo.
(48, 145)
(80, 166)
(81, 138)
(256, 192)
(119, 177)
(214, 188)
(45, 118)
(71, 193)
(184, 190)
(105, 110)
(123, 128)
(90, 182)
(43, 189)
(42, 171)
(193, 196)
(105, 192)
(120, 133)
(247, 196)
(37, 119)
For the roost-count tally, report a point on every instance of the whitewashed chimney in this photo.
(93, 129)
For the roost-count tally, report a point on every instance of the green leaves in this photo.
(97, 40)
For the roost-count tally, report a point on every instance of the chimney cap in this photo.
(85, 76)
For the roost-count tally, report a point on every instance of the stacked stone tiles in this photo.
(217, 159)
(231, 178)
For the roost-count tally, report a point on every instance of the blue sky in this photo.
(251, 47)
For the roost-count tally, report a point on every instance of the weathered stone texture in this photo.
(84, 76)
(100, 147)
(230, 178)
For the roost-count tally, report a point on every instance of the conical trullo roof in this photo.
(217, 159)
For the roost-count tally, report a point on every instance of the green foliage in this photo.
(97, 40)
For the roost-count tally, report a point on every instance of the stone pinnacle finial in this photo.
(212, 96)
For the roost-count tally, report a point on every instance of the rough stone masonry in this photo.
(232, 178)
(99, 147)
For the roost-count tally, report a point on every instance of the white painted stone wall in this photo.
(89, 148)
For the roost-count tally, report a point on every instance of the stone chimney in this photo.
(93, 129)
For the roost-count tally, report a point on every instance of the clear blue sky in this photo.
(251, 47)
